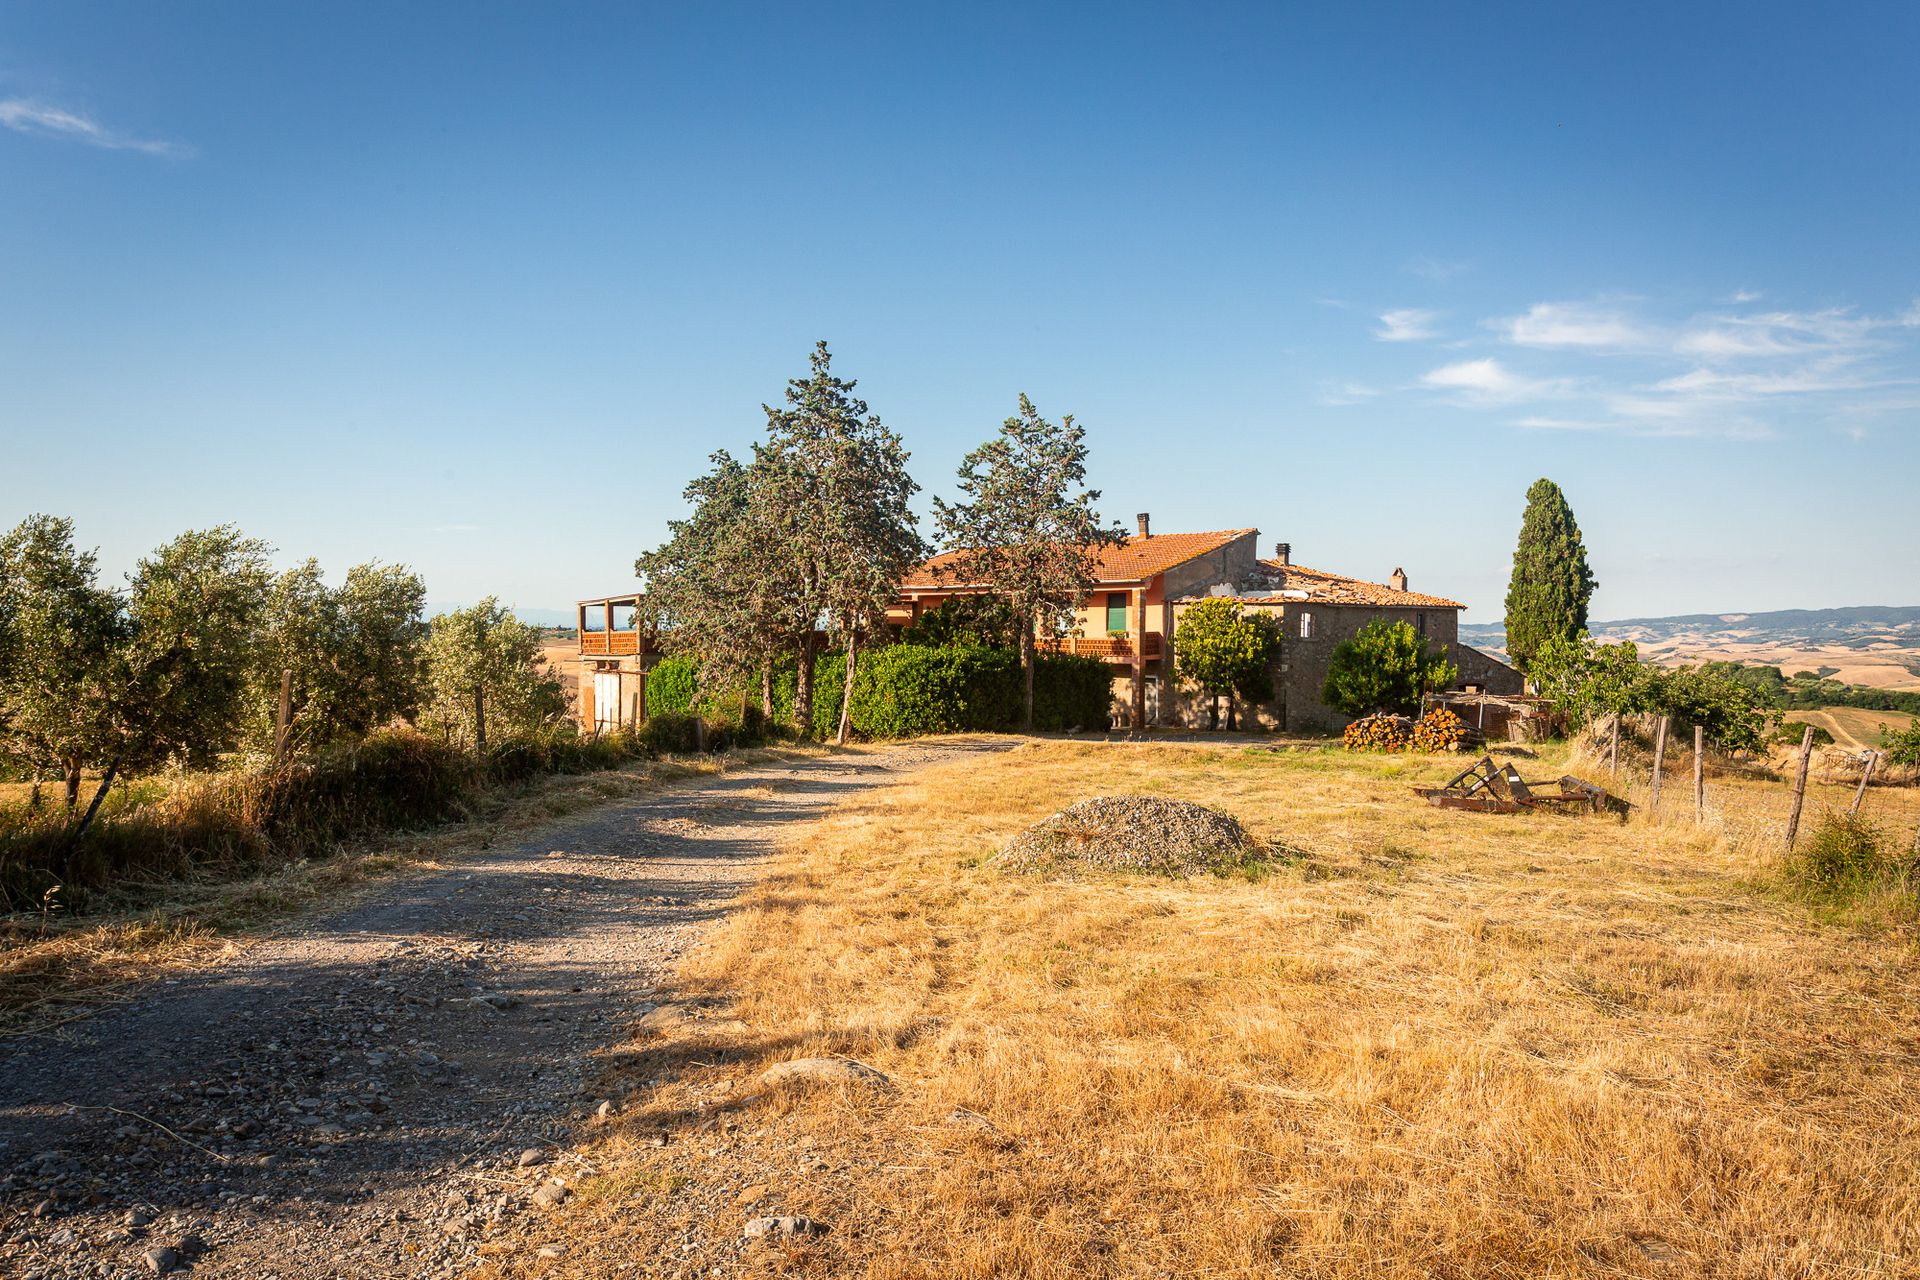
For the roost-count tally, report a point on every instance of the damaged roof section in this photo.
(1279, 580)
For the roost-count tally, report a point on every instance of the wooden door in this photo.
(606, 699)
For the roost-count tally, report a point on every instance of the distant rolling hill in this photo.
(1875, 645)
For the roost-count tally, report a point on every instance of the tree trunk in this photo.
(1213, 711)
(803, 688)
(1026, 666)
(846, 689)
(1230, 724)
(766, 693)
(73, 786)
(106, 780)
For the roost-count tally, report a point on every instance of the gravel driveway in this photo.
(356, 1096)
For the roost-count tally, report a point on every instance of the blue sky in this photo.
(477, 288)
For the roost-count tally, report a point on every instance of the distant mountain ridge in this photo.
(1859, 627)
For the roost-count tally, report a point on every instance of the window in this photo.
(593, 617)
(1116, 611)
(1306, 626)
(623, 616)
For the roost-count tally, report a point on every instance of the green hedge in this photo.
(671, 685)
(906, 690)
(1071, 692)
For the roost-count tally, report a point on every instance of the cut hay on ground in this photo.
(1132, 833)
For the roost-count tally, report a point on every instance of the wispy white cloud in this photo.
(23, 115)
(1776, 333)
(1345, 393)
(1435, 269)
(1712, 383)
(1488, 379)
(1538, 423)
(1729, 372)
(1408, 324)
(1572, 324)
(1743, 296)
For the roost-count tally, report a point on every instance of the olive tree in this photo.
(486, 673)
(60, 638)
(352, 655)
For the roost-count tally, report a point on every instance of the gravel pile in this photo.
(1132, 833)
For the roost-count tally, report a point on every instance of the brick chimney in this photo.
(1144, 520)
(1283, 553)
(1399, 580)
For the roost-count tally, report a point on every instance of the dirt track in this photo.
(355, 1096)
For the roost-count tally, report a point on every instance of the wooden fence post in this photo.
(1866, 776)
(1613, 744)
(283, 716)
(1699, 775)
(479, 719)
(1800, 787)
(700, 733)
(1659, 760)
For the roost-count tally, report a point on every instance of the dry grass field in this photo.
(1430, 1044)
(1853, 727)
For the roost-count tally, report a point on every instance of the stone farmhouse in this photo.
(1144, 585)
(1129, 619)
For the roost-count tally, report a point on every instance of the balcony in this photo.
(1115, 648)
(609, 644)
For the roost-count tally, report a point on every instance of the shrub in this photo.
(906, 690)
(1901, 745)
(1386, 667)
(1071, 692)
(671, 686)
(1847, 856)
(234, 822)
(1792, 731)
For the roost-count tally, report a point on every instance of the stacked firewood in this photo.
(1379, 733)
(1439, 730)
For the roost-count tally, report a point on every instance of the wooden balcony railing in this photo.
(1111, 648)
(609, 644)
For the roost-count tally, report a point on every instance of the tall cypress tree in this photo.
(1547, 597)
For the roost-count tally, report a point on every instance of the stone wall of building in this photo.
(1301, 671)
(1487, 672)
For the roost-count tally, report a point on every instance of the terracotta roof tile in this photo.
(1133, 560)
(1335, 588)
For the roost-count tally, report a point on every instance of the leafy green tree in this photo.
(1027, 528)
(1902, 745)
(60, 639)
(1584, 680)
(1386, 667)
(1227, 651)
(355, 653)
(1732, 713)
(485, 654)
(1551, 585)
(721, 591)
(194, 609)
(963, 621)
(833, 489)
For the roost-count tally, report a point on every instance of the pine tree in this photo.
(1547, 598)
(832, 491)
(1023, 529)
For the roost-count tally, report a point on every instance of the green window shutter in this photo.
(1116, 611)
